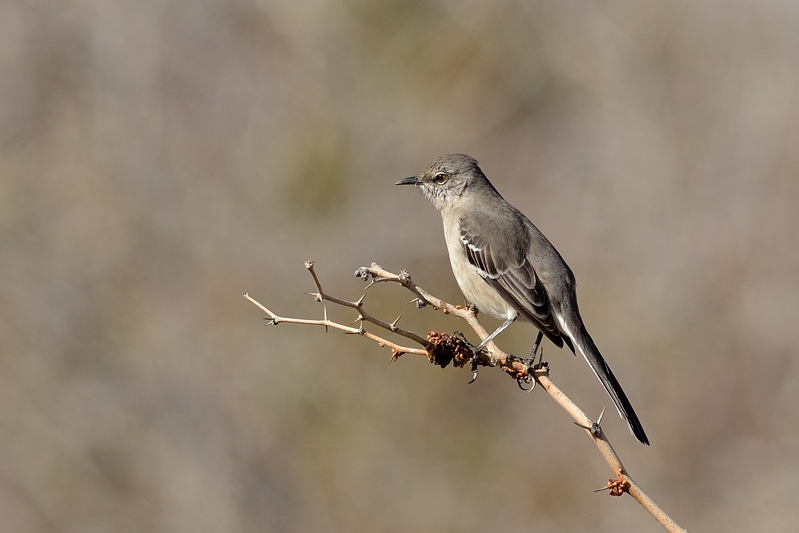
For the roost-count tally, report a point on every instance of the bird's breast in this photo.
(476, 289)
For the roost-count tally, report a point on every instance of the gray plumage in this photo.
(507, 268)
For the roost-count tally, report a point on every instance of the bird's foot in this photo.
(475, 360)
(532, 366)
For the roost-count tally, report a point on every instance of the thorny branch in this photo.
(441, 349)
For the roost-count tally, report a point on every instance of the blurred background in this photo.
(159, 158)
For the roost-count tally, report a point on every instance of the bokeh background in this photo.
(159, 158)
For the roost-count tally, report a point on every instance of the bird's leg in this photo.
(530, 364)
(499, 330)
(488, 339)
(531, 359)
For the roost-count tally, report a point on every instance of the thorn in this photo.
(359, 303)
(596, 429)
(599, 420)
(394, 324)
(317, 296)
(270, 321)
(418, 302)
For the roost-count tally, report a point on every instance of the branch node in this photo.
(404, 277)
(365, 274)
(418, 302)
(616, 487)
(595, 429)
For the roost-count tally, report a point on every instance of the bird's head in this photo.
(447, 179)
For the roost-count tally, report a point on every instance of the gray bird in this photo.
(507, 268)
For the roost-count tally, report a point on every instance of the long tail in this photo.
(585, 345)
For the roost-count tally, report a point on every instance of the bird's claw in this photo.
(474, 370)
(525, 379)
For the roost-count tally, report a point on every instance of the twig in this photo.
(442, 349)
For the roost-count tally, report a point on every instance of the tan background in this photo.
(157, 159)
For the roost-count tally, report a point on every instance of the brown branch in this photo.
(441, 349)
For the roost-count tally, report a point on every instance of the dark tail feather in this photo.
(585, 345)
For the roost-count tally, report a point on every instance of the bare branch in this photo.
(442, 348)
(358, 306)
(375, 273)
(276, 319)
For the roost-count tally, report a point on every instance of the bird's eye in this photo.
(441, 177)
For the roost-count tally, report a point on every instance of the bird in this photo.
(508, 269)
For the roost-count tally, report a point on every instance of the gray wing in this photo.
(507, 269)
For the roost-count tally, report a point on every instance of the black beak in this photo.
(413, 180)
